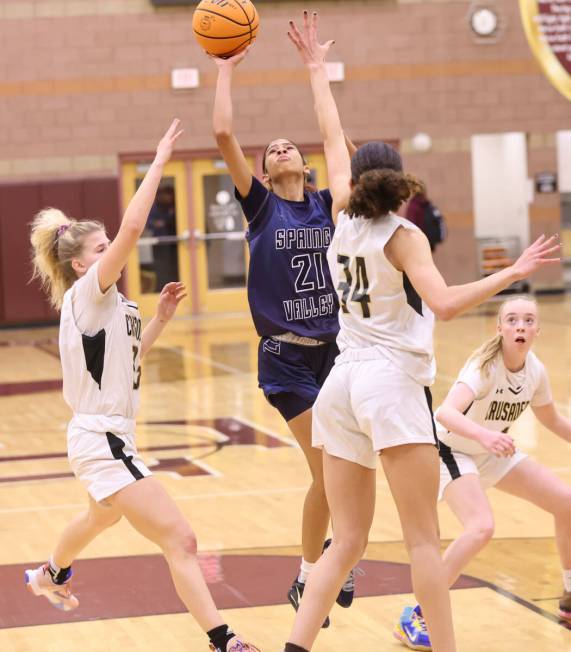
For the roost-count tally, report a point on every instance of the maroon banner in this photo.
(547, 25)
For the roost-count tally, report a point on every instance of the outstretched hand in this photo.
(166, 144)
(537, 255)
(171, 295)
(231, 62)
(311, 51)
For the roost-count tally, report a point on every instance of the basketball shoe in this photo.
(236, 645)
(40, 582)
(411, 629)
(294, 596)
(565, 606)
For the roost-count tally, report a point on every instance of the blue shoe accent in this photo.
(411, 629)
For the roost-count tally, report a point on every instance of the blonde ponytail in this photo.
(485, 354)
(56, 239)
(489, 350)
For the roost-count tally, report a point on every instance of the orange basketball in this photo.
(224, 27)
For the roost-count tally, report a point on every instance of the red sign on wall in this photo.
(547, 25)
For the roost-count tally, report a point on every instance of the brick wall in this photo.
(83, 81)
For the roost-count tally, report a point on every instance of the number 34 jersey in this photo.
(99, 342)
(381, 314)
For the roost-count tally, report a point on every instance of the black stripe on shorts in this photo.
(447, 457)
(429, 401)
(117, 445)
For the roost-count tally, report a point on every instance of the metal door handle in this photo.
(228, 235)
(165, 239)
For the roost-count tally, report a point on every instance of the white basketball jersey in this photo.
(99, 342)
(500, 398)
(380, 313)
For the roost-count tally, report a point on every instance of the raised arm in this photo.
(336, 154)
(223, 124)
(451, 415)
(135, 217)
(410, 252)
(171, 295)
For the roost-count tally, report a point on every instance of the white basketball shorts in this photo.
(490, 468)
(368, 405)
(104, 462)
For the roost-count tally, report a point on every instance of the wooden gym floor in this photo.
(226, 457)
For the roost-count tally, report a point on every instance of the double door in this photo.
(194, 234)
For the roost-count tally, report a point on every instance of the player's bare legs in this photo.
(413, 474)
(469, 502)
(538, 485)
(53, 579)
(153, 513)
(351, 494)
(82, 529)
(315, 509)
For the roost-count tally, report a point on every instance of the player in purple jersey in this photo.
(292, 300)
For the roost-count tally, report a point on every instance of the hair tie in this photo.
(61, 230)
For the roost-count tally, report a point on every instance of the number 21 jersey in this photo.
(289, 287)
(381, 314)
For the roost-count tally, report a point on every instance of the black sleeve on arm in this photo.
(256, 203)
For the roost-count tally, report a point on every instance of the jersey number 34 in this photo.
(357, 288)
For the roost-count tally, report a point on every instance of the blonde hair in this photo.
(486, 354)
(57, 239)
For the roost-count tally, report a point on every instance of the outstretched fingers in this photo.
(307, 26)
(300, 42)
(179, 297)
(294, 35)
(551, 250)
(543, 244)
(306, 41)
(172, 130)
(312, 30)
(547, 247)
(172, 286)
(175, 291)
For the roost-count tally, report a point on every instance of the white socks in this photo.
(567, 580)
(304, 570)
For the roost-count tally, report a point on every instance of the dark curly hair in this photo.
(379, 183)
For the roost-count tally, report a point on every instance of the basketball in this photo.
(225, 27)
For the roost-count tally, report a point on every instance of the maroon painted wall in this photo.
(22, 302)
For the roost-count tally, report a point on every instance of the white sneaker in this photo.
(40, 582)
